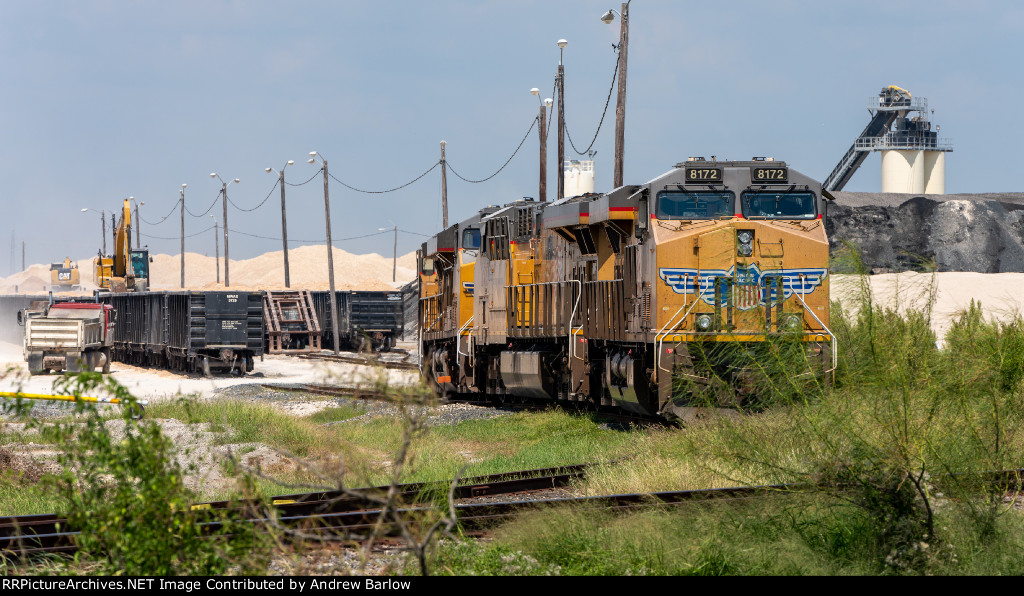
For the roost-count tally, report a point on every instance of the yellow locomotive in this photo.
(641, 298)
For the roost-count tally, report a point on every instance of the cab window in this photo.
(427, 267)
(694, 205)
(471, 239)
(779, 205)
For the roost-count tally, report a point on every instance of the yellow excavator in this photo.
(126, 270)
(64, 276)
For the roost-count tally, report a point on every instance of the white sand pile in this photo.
(1001, 294)
(307, 266)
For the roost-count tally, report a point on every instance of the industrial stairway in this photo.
(890, 101)
(292, 324)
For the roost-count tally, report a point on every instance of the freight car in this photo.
(188, 331)
(366, 319)
(652, 298)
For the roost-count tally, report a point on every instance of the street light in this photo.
(542, 133)
(620, 103)
(330, 251)
(224, 191)
(103, 222)
(216, 247)
(394, 260)
(182, 192)
(138, 226)
(284, 222)
(560, 84)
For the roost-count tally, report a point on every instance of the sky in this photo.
(106, 99)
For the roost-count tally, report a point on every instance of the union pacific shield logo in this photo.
(468, 288)
(746, 293)
(748, 283)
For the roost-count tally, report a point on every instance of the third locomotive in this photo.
(638, 298)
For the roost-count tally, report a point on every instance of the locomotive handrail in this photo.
(458, 340)
(835, 348)
(664, 330)
(572, 315)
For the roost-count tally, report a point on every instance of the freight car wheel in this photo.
(204, 365)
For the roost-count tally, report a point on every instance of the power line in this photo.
(615, 74)
(507, 161)
(307, 181)
(173, 209)
(261, 202)
(212, 205)
(380, 192)
(177, 237)
(321, 241)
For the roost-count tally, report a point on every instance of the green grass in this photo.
(799, 535)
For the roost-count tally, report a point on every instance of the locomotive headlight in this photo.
(745, 243)
(791, 323)
(704, 322)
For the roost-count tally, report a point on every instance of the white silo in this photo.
(579, 177)
(913, 155)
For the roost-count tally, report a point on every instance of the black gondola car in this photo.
(188, 331)
(366, 319)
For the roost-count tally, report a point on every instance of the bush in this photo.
(126, 496)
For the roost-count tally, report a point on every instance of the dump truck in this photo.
(69, 336)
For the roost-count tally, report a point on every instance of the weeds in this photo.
(126, 497)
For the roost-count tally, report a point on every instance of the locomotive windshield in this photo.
(694, 205)
(471, 239)
(779, 205)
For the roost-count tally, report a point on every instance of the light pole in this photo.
(182, 191)
(330, 251)
(224, 191)
(138, 226)
(103, 222)
(561, 119)
(620, 103)
(284, 222)
(542, 193)
(394, 260)
(216, 247)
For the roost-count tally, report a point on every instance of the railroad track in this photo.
(365, 360)
(29, 535)
(357, 514)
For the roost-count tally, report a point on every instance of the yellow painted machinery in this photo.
(652, 297)
(127, 270)
(64, 277)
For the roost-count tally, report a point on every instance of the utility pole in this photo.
(620, 105)
(183, 186)
(394, 259)
(284, 235)
(227, 258)
(224, 189)
(216, 247)
(138, 229)
(543, 190)
(284, 222)
(22, 255)
(330, 254)
(561, 119)
(444, 188)
(542, 193)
